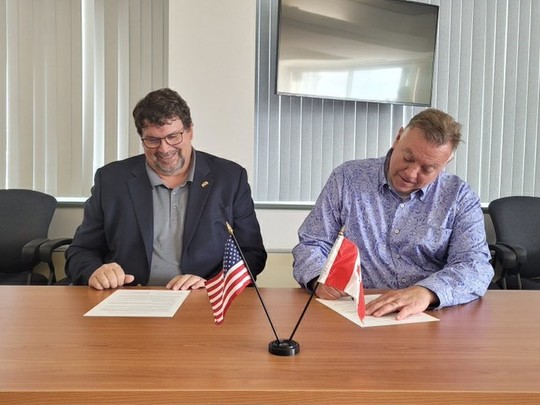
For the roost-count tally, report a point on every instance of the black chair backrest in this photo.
(25, 215)
(516, 220)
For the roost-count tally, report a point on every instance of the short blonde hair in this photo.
(439, 127)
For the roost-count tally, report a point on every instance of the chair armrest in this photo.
(504, 255)
(30, 252)
(520, 251)
(46, 250)
(511, 257)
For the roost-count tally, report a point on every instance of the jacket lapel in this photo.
(203, 181)
(141, 196)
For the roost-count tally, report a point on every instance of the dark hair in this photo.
(438, 127)
(159, 107)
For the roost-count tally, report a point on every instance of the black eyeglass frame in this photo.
(168, 138)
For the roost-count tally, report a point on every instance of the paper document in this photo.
(140, 303)
(346, 307)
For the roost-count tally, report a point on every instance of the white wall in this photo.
(212, 65)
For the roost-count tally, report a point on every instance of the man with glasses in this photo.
(159, 218)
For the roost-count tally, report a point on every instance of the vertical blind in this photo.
(486, 75)
(71, 72)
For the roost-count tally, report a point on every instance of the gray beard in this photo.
(172, 171)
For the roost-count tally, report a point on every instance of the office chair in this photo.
(516, 221)
(25, 216)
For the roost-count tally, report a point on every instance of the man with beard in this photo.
(159, 218)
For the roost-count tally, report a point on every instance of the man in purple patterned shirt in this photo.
(420, 230)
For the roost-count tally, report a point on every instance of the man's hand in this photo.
(328, 293)
(405, 302)
(110, 275)
(186, 282)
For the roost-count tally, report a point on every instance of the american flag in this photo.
(223, 288)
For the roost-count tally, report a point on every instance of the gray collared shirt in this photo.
(169, 206)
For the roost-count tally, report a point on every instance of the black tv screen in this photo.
(365, 50)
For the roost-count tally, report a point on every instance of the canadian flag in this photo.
(342, 271)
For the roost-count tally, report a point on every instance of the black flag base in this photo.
(284, 347)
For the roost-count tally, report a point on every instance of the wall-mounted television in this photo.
(366, 50)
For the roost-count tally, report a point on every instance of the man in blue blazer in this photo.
(159, 218)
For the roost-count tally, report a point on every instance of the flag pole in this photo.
(304, 311)
(279, 347)
(340, 233)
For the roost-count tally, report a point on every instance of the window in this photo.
(72, 71)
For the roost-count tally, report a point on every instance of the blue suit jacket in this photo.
(118, 220)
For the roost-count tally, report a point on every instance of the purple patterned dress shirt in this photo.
(435, 239)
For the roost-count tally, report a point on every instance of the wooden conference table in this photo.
(485, 352)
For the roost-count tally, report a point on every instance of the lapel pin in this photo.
(204, 184)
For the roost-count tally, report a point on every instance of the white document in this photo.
(346, 307)
(140, 303)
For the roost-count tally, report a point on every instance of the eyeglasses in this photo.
(172, 139)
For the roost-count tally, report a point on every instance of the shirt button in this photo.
(174, 207)
(403, 280)
(402, 205)
(396, 231)
(398, 256)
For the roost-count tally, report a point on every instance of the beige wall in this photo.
(212, 65)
